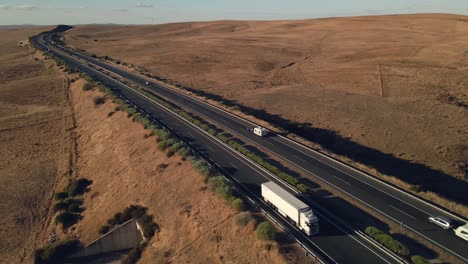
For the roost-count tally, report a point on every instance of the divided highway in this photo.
(335, 243)
(405, 210)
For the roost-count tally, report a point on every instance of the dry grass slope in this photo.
(390, 91)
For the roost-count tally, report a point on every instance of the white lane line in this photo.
(208, 147)
(300, 158)
(341, 180)
(190, 134)
(233, 165)
(402, 212)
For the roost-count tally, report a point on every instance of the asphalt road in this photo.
(335, 243)
(403, 209)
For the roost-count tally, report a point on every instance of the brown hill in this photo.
(395, 84)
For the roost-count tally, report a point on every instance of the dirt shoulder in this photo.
(34, 116)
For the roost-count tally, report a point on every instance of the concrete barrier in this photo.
(124, 237)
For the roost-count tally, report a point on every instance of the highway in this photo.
(335, 244)
(403, 209)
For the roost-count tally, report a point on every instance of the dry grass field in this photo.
(391, 92)
(197, 226)
(33, 104)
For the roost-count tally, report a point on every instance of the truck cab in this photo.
(260, 131)
(309, 222)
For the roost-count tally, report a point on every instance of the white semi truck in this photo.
(291, 207)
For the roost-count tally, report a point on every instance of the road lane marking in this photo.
(300, 158)
(190, 134)
(233, 165)
(341, 180)
(208, 147)
(402, 212)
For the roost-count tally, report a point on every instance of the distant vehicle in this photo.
(260, 131)
(462, 231)
(291, 207)
(441, 221)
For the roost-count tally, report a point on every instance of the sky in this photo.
(51, 12)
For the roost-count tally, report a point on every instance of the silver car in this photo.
(441, 221)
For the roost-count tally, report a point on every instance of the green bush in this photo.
(387, 241)
(87, 86)
(416, 259)
(170, 153)
(56, 252)
(162, 145)
(60, 196)
(183, 152)
(202, 167)
(67, 219)
(99, 100)
(212, 131)
(221, 186)
(243, 219)
(74, 208)
(60, 206)
(266, 231)
(135, 254)
(176, 146)
(222, 137)
(104, 229)
(303, 188)
(238, 204)
(78, 187)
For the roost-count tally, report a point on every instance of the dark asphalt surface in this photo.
(334, 243)
(408, 212)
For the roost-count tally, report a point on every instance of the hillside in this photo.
(392, 85)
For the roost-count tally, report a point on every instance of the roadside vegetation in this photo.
(56, 252)
(69, 204)
(387, 241)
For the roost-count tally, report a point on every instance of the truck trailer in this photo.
(291, 207)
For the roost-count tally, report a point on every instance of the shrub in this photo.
(212, 131)
(238, 204)
(87, 86)
(243, 219)
(78, 187)
(99, 100)
(104, 229)
(175, 147)
(162, 145)
(416, 259)
(74, 208)
(387, 241)
(170, 153)
(303, 188)
(56, 252)
(118, 108)
(67, 219)
(60, 196)
(135, 254)
(416, 188)
(220, 185)
(60, 206)
(183, 152)
(266, 231)
(110, 114)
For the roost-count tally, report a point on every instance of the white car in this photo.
(441, 221)
(462, 231)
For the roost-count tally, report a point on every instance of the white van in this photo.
(462, 231)
(260, 131)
